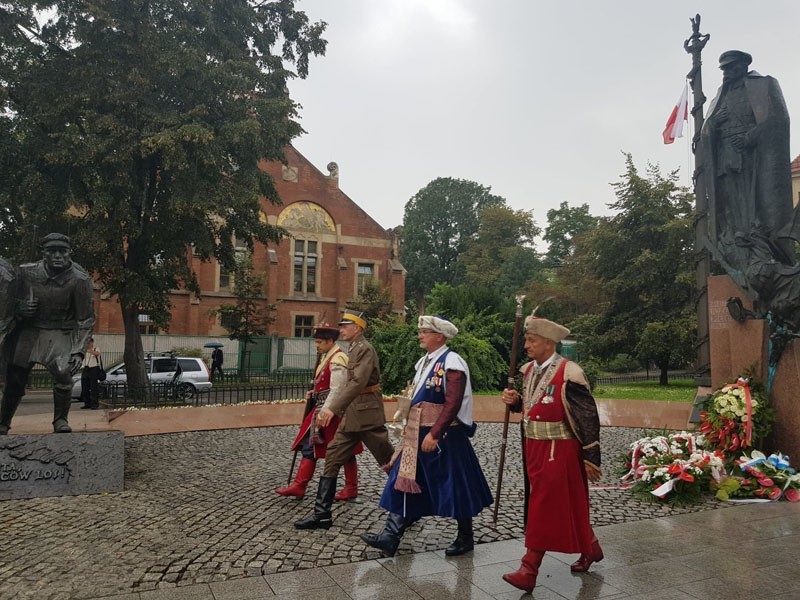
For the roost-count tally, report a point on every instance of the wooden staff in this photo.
(512, 369)
(309, 407)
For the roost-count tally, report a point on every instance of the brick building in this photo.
(334, 249)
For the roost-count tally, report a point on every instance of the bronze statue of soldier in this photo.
(8, 281)
(55, 314)
(743, 160)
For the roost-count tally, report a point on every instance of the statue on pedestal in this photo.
(54, 314)
(744, 162)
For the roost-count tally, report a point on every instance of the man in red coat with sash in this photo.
(561, 451)
(311, 440)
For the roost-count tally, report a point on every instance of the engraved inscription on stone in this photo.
(15, 472)
(33, 466)
(718, 315)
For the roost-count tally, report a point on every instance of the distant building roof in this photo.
(796, 164)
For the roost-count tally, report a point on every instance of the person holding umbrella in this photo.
(217, 358)
(312, 440)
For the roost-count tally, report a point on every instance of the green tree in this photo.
(374, 301)
(438, 223)
(250, 315)
(397, 345)
(564, 224)
(138, 127)
(642, 258)
(501, 254)
(668, 344)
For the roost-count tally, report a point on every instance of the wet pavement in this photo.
(199, 519)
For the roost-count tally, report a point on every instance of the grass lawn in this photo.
(678, 390)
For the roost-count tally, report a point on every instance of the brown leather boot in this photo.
(524, 578)
(585, 561)
(350, 489)
(304, 473)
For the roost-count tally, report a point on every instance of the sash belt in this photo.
(547, 430)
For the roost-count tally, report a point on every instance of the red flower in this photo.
(792, 495)
(774, 493)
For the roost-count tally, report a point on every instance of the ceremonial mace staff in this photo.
(309, 407)
(512, 371)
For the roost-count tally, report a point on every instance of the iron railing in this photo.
(641, 377)
(159, 395)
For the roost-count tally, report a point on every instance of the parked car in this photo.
(190, 375)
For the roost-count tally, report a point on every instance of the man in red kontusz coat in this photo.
(561, 452)
(311, 440)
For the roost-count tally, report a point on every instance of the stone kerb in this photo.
(35, 466)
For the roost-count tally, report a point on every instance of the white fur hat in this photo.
(546, 329)
(439, 325)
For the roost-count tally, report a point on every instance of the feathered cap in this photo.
(545, 328)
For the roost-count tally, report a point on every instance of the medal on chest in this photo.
(436, 378)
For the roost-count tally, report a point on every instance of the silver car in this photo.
(189, 374)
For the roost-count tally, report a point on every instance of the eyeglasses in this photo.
(426, 331)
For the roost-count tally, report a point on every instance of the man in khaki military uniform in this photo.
(360, 403)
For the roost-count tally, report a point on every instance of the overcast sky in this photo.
(536, 99)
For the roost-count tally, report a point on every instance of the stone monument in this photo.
(46, 317)
(751, 227)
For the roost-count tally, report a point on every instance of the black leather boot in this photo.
(464, 542)
(388, 541)
(322, 518)
(61, 403)
(7, 409)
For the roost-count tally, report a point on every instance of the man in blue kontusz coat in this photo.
(434, 470)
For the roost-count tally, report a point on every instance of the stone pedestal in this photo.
(735, 346)
(65, 464)
(784, 400)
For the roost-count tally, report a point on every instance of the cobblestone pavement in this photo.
(200, 507)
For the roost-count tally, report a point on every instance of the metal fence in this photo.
(160, 395)
(267, 359)
(642, 377)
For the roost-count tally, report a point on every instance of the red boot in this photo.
(304, 473)
(350, 489)
(585, 561)
(524, 578)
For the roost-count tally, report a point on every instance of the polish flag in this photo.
(674, 128)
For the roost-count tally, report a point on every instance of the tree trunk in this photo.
(420, 302)
(134, 352)
(663, 378)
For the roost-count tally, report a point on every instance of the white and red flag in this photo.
(674, 128)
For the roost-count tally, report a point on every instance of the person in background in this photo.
(561, 453)
(217, 357)
(90, 384)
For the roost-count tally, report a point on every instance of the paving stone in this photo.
(200, 507)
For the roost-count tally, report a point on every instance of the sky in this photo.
(536, 99)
